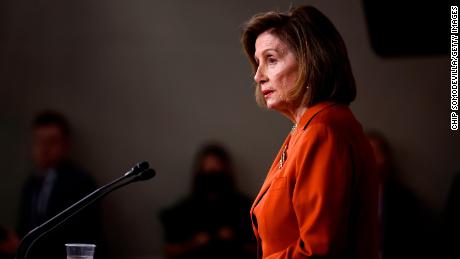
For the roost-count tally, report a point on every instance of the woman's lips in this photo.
(267, 93)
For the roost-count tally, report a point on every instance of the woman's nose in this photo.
(260, 76)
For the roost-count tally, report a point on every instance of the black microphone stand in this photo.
(140, 172)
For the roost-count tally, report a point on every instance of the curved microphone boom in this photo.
(140, 172)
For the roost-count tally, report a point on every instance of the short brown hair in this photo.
(324, 68)
(50, 117)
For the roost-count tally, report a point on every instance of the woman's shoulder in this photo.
(332, 124)
(337, 118)
(335, 113)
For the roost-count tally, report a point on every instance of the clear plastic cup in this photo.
(80, 251)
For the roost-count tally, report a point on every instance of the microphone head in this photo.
(141, 166)
(138, 168)
(146, 174)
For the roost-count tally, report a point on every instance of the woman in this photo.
(319, 199)
(212, 222)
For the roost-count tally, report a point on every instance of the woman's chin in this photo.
(271, 105)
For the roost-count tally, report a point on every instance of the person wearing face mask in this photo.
(320, 197)
(212, 221)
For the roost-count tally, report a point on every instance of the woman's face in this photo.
(212, 163)
(277, 72)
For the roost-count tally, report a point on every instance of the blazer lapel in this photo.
(272, 173)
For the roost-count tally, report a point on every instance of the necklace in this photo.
(283, 157)
(284, 154)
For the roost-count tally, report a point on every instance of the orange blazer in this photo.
(321, 199)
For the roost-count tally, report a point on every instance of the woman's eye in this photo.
(271, 60)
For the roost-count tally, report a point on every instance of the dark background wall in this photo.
(152, 80)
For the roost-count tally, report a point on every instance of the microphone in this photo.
(140, 172)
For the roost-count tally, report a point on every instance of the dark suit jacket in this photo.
(70, 185)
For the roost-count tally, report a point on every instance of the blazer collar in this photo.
(311, 112)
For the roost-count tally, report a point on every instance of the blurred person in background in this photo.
(212, 222)
(9, 243)
(54, 184)
(320, 197)
(405, 225)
